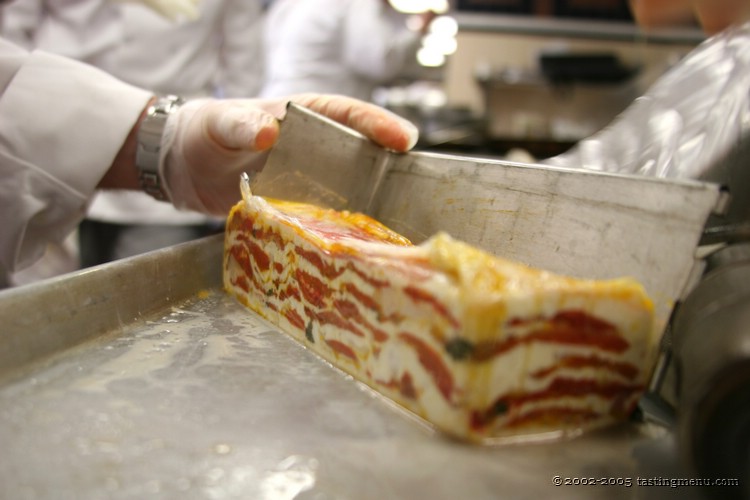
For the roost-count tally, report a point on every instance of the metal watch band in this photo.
(148, 151)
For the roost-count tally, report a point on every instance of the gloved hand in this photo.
(171, 9)
(207, 143)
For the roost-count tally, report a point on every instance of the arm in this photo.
(649, 14)
(377, 43)
(20, 21)
(60, 131)
(713, 15)
(241, 49)
(716, 15)
(122, 174)
(67, 128)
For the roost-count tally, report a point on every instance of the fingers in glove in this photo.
(382, 126)
(241, 125)
(213, 141)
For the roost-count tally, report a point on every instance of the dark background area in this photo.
(612, 10)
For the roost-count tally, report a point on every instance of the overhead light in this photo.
(444, 25)
(418, 6)
(430, 58)
(444, 44)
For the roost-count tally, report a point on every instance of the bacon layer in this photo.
(479, 346)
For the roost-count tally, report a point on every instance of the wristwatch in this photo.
(148, 152)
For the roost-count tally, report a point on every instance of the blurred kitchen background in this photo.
(512, 79)
(501, 76)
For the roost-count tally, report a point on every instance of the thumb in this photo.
(240, 126)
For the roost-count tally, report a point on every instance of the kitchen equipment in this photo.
(569, 68)
(562, 101)
(711, 337)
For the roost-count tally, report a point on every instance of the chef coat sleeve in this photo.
(241, 48)
(61, 125)
(21, 20)
(377, 44)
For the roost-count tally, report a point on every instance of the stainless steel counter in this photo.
(191, 396)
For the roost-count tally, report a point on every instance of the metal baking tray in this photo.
(143, 379)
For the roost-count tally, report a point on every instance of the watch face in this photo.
(151, 184)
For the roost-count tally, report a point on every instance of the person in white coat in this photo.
(67, 129)
(215, 53)
(213, 49)
(348, 47)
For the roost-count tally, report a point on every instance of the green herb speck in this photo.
(309, 332)
(459, 349)
(500, 407)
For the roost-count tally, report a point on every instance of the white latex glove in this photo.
(207, 143)
(171, 9)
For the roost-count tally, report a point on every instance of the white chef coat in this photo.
(61, 126)
(217, 54)
(346, 47)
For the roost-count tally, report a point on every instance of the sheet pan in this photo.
(143, 379)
